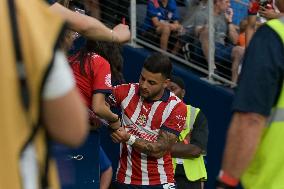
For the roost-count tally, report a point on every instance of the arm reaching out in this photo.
(91, 27)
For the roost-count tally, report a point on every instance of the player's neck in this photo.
(158, 96)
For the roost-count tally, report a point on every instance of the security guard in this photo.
(190, 171)
(254, 151)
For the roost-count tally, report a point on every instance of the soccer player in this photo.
(152, 118)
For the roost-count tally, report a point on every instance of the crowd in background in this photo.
(182, 29)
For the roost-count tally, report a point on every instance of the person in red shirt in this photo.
(152, 118)
(266, 9)
(93, 78)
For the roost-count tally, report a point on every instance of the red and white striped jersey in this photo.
(144, 119)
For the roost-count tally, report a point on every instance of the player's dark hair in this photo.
(158, 63)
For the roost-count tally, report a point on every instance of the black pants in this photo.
(182, 182)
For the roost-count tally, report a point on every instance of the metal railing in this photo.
(111, 12)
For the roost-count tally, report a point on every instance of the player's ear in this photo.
(166, 83)
(183, 93)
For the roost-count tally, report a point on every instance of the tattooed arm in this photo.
(168, 134)
(155, 149)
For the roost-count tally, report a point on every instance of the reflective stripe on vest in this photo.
(277, 115)
(276, 24)
(194, 168)
(266, 170)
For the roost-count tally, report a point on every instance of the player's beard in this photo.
(151, 96)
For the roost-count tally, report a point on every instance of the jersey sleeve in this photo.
(119, 93)
(176, 121)
(101, 80)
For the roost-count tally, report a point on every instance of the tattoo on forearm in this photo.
(156, 149)
(148, 148)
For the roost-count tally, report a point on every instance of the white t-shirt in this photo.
(59, 82)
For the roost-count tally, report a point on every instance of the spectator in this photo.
(112, 53)
(269, 11)
(226, 54)
(187, 30)
(193, 8)
(39, 100)
(240, 10)
(190, 171)
(93, 78)
(152, 119)
(162, 19)
(242, 35)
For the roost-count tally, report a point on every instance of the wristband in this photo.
(131, 140)
(227, 179)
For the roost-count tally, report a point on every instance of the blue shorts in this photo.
(118, 185)
(104, 161)
(222, 53)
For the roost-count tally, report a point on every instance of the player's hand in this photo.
(121, 33)
(120, 135)
(115, 125)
